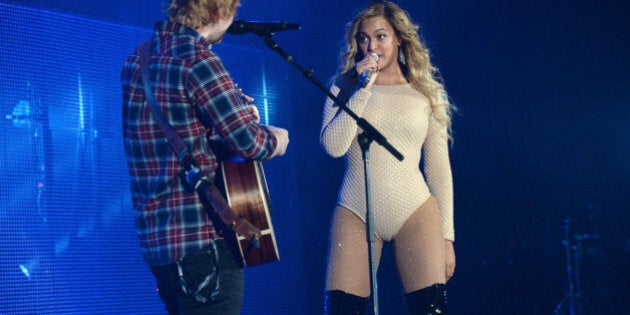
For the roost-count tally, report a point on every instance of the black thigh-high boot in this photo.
(427, 301)
(337, 302)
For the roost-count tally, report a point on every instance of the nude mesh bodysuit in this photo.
(398, 188)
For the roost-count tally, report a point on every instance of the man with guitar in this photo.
(177, 76)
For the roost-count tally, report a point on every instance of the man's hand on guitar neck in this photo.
(248, 100)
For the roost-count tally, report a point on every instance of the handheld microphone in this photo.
(366, 76)
(261, 28)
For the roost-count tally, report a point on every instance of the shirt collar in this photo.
(169, 28)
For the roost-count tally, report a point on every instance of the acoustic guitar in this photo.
(245, 189)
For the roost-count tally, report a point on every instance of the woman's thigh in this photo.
(419, 248)
(348, 263)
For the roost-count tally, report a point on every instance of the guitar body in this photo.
(245, 187)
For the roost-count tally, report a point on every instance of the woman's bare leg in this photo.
(419, 248)
(348, 264)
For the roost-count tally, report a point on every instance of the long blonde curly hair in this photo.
(197, 13)
(418, 70)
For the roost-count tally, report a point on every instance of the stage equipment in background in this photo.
(573, 302)
(30, 114)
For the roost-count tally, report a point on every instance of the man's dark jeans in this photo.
(229, 298)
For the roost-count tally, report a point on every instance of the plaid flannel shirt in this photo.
(200, 100)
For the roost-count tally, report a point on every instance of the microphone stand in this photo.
(368, 135)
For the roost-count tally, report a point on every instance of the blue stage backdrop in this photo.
(542, 141)
(68, 243)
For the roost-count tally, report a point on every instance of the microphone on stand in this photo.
(366, 76)
(261, 28)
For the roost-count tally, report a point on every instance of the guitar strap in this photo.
(207, 191)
